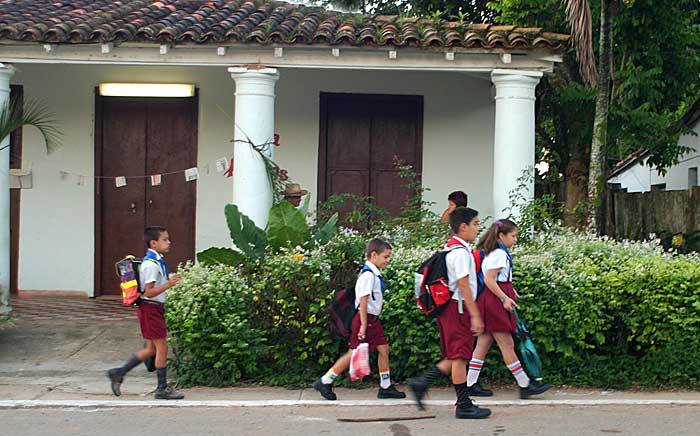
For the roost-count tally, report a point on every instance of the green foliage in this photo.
(246, 236)
(601, 313)
(215, 340)
(17, 113)
(287, 226)
(217, 255)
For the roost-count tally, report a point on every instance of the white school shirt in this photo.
(460, 264)
(151, 272)
(498, 259)
(368, 283)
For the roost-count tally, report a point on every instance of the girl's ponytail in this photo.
(489, 241)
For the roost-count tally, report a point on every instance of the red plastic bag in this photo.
(359, 362)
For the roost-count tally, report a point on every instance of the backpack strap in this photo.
(449, 247)
(365, 268)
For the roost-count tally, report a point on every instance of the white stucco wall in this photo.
(57, 216)
(640, 178)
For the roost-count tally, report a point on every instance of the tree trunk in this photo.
(596, 181)
(576, 186)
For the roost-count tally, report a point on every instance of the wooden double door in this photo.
(137, 137)
(361, 139)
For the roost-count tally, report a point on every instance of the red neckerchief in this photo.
(453, 241)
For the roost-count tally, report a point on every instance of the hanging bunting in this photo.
(221, 165)
(191, 174)
(120, 181)
(155, 180)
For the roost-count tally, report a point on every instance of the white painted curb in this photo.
(42, 404)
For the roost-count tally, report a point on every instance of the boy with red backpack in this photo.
(457, 326)
(366, 327)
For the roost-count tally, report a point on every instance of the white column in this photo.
(254, 120)
(6, 72)
(514, 138)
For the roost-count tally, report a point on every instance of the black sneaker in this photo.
(478, 391)
(470, 411)
(150, 363)
(419, 387)
(116, 380)
(534, 388)
(390, 392)
(168, 393)
(326, 390)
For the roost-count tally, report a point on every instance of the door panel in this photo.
(362, 138)
(140, 137)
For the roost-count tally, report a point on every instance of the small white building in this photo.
(345, 93)
(634, 175)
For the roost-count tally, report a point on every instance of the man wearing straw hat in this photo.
(293, 193)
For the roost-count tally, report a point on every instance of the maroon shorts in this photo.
(496, 318)
(374, 335)
(152, 320)
(456, 337)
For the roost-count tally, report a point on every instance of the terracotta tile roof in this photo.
(241, 21)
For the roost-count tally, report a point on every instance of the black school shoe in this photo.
(116, 380)
(390, 392)
(470, 411)
(168, 393)
(478, 391)
(326, 390)
(419, 387)
(534, 388)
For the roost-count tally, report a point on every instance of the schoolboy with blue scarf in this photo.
(155, 280)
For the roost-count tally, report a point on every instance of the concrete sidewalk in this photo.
(45, 363)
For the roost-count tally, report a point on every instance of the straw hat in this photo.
(294, 190)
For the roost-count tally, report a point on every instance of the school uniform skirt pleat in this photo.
(496, 318)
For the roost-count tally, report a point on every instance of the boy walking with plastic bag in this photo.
(366, 330)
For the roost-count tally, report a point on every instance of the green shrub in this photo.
(214, 339)
(602, 313)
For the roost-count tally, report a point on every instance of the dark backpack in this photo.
(433, 292)
(342, 310)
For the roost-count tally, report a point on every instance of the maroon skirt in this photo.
(456, 337)
(374, 335)
(152, 320)
(496, 318)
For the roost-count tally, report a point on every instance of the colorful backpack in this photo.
(128, 273)
(342, 309)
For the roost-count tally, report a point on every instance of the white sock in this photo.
(475, 366)
(519, 373)
(329, 377)
(384, 379)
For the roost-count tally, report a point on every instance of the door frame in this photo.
(99, 115)
(16, 91)
(323, 131)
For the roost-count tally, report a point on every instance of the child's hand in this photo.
(509, 304)
(362, 332)
(173, 279)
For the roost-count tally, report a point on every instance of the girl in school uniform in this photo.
(496, 305)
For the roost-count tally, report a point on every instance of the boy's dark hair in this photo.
(489, 241)
(459, 198)
(461, 215)
(152, 233)
(378, 246)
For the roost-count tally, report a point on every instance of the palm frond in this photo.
(32, 113)
(578, 15)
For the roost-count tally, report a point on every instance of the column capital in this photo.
(7, 71)
(515, 83)
(253, 71)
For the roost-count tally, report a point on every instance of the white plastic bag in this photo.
(359, 362)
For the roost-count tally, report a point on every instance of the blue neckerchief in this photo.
(151, 255)
(382, 283)
(510, 257)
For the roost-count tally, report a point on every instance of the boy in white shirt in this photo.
(457, 325)
(366, 327)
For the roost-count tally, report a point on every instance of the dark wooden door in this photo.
(361, 139)
(137, 137)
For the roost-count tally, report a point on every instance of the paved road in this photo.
(506, 421)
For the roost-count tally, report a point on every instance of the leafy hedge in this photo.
(602, 313)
